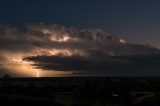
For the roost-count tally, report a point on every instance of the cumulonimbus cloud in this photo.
(62, 44)
(40, 38)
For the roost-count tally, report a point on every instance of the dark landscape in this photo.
(80, 91)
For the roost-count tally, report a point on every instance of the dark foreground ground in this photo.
(80, 91)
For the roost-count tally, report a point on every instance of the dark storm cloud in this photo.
(47, 36)
(76, 63)
(39, 36)
(121, 65)
(39, 39)
(60, 48)
(36, 37)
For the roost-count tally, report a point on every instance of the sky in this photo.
(72, 37)
(136, 20)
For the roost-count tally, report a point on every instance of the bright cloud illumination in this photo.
(62, 39)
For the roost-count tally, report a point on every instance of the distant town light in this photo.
(115, 95)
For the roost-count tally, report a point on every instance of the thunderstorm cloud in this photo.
(68, 49)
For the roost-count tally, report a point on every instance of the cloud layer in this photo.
(141, 65)
(56, 47)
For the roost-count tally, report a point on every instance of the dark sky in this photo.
(136, 20)
(59, 48)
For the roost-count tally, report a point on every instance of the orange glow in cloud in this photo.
(122, 41)
(62, 39)
(27, 69)
(17, 66)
